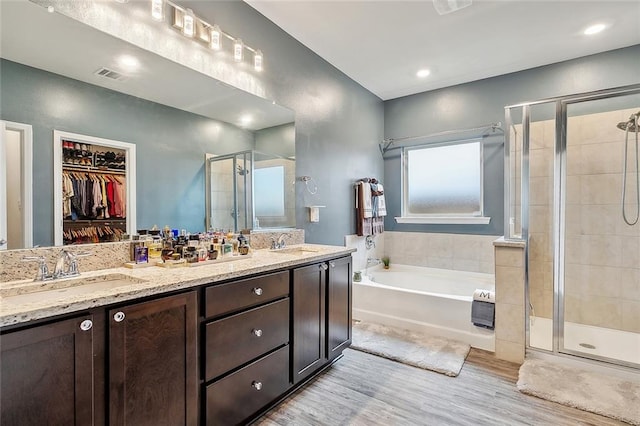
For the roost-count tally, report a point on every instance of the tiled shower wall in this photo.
(602, 253)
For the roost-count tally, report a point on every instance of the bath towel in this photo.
(483, 314)
(366, 200)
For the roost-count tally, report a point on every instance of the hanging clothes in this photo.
(92, 196)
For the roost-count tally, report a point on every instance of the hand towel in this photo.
(483, 314)
(484, 295)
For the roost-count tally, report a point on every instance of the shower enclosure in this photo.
(572, 185)
(250, 190)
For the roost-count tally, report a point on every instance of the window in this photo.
(442, 183)
(269, 185)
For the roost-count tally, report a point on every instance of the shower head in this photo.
(631, 124)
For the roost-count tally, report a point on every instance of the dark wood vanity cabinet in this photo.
(309, 320)
(246, 347)
(321, 315)
(217, 355)
(339, 302)
(153, 371)
(51, 374)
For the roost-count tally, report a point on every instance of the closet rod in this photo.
(385, 145)
(98, 171)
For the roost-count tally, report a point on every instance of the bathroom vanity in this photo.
(216, 344)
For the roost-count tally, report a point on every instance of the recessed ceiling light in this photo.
(128, 62)
(246, 119)
(423, 73)
(594, 29)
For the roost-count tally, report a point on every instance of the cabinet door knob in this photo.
(118, 316)
(256, 385)
(257, 291)
(86, 325)
(324, 267)
(257, 332)
(332, 264)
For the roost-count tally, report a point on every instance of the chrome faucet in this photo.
(66, 265)
(278, 244)
(43, 269)
(373, 261)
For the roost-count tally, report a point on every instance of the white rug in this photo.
(586, 390)
(408, 347)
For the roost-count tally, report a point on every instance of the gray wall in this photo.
(279, 140)
(482, 102)
(338, 123)
(170, 143)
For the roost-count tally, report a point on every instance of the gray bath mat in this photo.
(586, 390)
(412, 348)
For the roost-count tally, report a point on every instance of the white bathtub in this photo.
(437, 301)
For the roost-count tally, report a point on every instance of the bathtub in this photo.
(437, 301)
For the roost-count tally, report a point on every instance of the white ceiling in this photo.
(64, 46)
(382, 44)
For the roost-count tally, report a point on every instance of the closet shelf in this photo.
(91, 169)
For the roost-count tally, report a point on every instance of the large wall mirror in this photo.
(59, 74)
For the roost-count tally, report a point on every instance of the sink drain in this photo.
(587, 345)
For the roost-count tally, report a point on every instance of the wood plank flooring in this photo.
(363, 389)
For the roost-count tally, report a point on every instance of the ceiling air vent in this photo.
(110, 74)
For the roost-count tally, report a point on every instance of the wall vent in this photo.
(110, 74)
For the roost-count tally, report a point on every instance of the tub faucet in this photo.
(373, 261)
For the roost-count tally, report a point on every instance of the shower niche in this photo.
(250, 190)
(573, 188)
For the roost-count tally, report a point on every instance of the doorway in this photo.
(16, 200)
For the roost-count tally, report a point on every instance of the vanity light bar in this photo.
(194, 27)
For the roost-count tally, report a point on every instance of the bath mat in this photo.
(408, 347)
(590, 391)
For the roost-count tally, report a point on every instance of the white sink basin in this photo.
(299, 251)
(35, 291)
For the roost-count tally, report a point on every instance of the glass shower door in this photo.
(599, 311)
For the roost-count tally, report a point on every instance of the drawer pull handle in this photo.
(118, 316)
(324, 267)
(86, 325)
(257, 332)
(257, 291)
(256, 385)
(332, 264)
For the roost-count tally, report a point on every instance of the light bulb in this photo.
(238, 50)
(215, 37)
(188, 24)
(157, 10)
(594, 29)
(257, 60)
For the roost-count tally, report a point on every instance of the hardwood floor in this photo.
(362, 389)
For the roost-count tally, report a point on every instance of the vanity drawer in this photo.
(233, 399)
(232, 341)
(230, 297)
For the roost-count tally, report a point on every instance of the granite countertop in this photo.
(26, 300)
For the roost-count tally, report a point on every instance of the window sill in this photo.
(447, 220)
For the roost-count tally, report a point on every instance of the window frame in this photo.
(441, 218)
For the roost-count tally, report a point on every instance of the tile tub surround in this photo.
(510, 300)
(161, 280)
(460, 252)
(362, 253)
